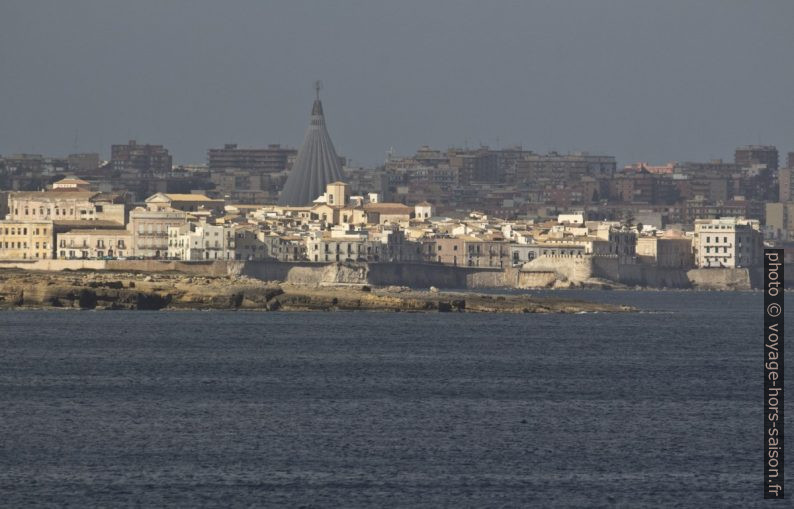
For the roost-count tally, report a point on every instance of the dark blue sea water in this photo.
(661, 408)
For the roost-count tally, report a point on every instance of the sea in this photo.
(659, 408)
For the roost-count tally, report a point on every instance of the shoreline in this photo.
(101, 290)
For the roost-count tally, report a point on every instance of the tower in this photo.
(316, 164)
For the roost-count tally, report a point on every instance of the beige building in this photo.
(94, 243)
(66, 205)
(149, 230)
(71, 183)
(160, 202)
(666, 251)
(382, 213)
(26, 240)
(728, 242)
(780, 221)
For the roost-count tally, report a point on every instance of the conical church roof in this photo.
(316, 165)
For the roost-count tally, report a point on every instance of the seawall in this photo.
(543, 272)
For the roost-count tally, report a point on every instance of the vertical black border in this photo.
(773, 374)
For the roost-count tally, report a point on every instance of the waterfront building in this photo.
(669, 250)
(200, 241)
(94, 243)
(26, 239)
(727, 242)
(150, 230)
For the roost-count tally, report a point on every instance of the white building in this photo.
(727, 242)
(200, 241)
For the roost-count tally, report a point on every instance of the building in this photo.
(727, 242)
(559, 168)
(381, 213)
(85, 162)
(424, 211)
(26, 240)
(184, 202)
(94, 243)
(757, 154)
(71, 204)
(674, 252)
(71, 183)
(200, 241)
(785, 184)
(150, 230)
(316, 164)
(780, 221)
(143, 159)
(258, 161)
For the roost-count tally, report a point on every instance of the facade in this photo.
(150, 230)
(665, 252)
(757, 154)
(382, 213)
(94, 243)
(728, 242)
(200, 241)
(144, 159)
(67, 205)
(85, 162)
(523, 253)
(184, 202)
(780, 221)
(257, 161)
(26, 240)
(424, 211)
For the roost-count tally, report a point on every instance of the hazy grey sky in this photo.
(641, 80)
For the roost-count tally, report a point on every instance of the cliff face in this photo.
(107, 290)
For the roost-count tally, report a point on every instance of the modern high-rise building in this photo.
(144, 159)
(272, 159)
(757, 154)
(316, 165)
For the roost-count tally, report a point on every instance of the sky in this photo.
(651, 81)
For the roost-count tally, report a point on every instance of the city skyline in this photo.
(163, 76)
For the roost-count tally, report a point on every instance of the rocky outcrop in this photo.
(109, 290)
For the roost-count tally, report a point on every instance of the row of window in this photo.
(58, 212)
(24, 231)
(100, 243)
(85, 254)
(21, 245)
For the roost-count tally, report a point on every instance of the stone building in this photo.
(150, 230)
(727, 242)
(94, 243)
(26, 240)
(673, 252)
(67, 205)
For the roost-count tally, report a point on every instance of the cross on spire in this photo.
(318, 85)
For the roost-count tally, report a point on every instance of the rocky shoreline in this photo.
(174, 291)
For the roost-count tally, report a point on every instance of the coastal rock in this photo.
(103, 290)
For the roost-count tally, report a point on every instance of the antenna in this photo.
(318, 85)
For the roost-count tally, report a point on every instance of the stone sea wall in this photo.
(543, 272)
